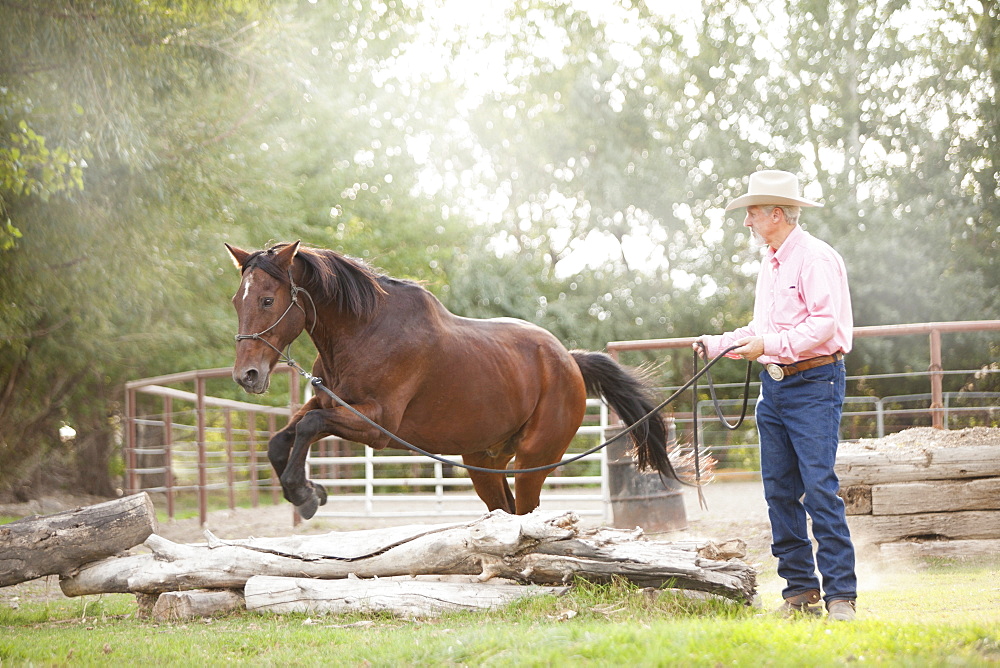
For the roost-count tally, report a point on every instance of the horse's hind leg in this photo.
(492, 488)
(543, 441)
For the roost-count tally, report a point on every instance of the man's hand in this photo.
(750, 348)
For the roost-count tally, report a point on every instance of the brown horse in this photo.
(491, 391)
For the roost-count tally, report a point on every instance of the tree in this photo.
(653, 136)
(97, 169)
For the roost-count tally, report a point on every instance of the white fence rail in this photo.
(383, 492)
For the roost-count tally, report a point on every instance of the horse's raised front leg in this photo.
(279, 449)
(312, 426)
(281, 443)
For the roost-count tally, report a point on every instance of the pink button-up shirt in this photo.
(802, 306)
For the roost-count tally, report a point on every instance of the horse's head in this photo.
(270, 313)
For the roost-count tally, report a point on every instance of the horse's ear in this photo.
(286, 255)
(239, 256)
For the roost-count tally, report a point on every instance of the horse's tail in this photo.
(631, 398)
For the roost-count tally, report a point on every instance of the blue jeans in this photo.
(798, 419)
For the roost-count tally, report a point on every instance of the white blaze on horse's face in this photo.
(247, 282)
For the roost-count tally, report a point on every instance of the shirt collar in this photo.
(787, 246)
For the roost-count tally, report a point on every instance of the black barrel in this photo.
(643, 499)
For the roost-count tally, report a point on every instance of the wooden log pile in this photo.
(56, 544)
(416, 570)
(924, 492)
(492, 560)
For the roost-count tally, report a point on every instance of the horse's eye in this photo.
(267, 301)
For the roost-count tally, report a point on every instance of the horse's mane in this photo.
(329, 277)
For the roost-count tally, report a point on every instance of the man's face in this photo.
(762, 223)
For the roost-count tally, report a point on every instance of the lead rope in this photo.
(718, 409)
(318, 383)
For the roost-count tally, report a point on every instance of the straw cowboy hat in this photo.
(772, 187)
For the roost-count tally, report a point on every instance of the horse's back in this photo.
(487, 378)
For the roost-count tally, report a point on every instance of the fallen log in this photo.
(972, 524)
(60, 543)
(539, 548)
(403, 597)
(177, 605)
(951, 549)
(932, 496)
(454, 548)
(856, 465)
(645, 563)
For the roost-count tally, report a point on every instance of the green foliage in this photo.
(27, 167)
(8, 236)
(103, 275)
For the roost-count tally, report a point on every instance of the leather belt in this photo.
(779, 371)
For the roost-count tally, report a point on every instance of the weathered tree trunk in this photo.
(973, 524)
(175, 605)
(403, 597)
(405, 550)
(907, 550)
(538, 548)
(884, 466)
(61, 543)
(935, 496)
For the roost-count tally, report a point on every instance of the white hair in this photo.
(791, 212)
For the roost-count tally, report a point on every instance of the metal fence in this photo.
(363, 482)
(187, 444)
(184, 444)
(865, 416)
(738, 453)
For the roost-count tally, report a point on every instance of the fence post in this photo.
(230, 475)
(202, 457)
(880, 417)
(275, 483)
(252, 447)
(936, 380)
(131, 439)
(605, 488)
(168, 453)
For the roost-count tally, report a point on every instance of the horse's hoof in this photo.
(308, 509)
(321, 493)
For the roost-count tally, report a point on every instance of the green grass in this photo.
(945, 614)
(186, 503)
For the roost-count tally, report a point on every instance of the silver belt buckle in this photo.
(775, 371)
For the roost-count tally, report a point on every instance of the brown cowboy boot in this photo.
(841, 610)
(801, 604)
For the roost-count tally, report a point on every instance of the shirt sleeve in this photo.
(822, 295)
(719, 342)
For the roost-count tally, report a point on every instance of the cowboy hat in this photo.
(773, 187)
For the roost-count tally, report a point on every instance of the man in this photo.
(801, 330)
